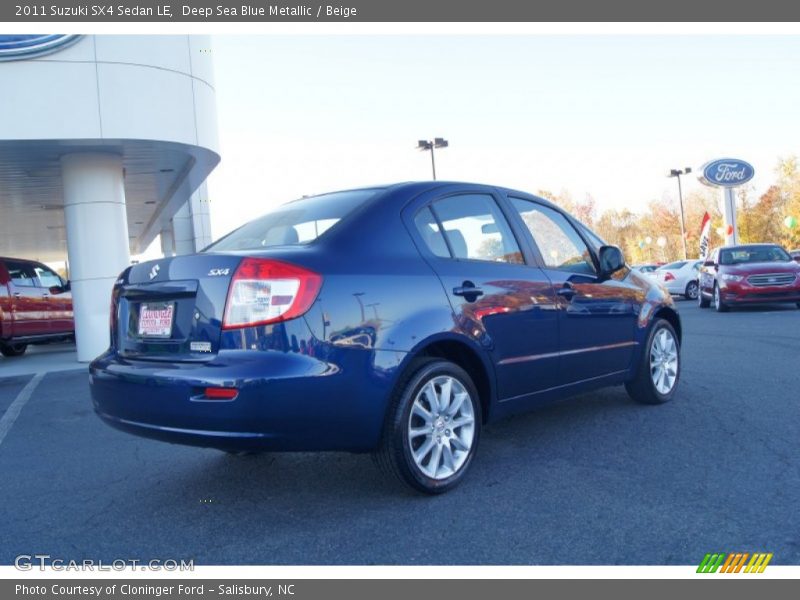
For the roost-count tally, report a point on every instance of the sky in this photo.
(605, 115)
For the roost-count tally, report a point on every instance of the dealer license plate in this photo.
(155, 319)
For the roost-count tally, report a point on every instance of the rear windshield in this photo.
(673, 266)
(298, 222)
(751, 254)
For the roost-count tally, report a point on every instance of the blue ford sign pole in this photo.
(727, 174)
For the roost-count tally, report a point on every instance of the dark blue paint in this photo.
(324, 380)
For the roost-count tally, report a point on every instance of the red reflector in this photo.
(219, 393)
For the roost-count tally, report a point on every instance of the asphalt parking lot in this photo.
(593, 480)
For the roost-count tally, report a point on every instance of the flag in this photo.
(705, 228)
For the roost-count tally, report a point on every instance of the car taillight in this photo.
(668, 276)
(265, 291)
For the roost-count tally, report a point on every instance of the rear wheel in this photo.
(660, 367)
(11, 350)
(692, 290)
(719, 304)
(432, 428)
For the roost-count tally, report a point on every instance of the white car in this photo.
(680, 278)
(648, 270)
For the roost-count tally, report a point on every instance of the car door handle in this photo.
(468, 290)
(17, 295)
(567, 291)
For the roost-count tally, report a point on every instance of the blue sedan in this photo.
(396, 320)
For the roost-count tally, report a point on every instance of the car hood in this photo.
(761, 267)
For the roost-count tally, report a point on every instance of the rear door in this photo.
(499, 297)
(28, 304)
(597, 316)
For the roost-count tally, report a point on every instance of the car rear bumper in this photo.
(285, 401)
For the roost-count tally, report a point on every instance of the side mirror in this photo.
(611, 260)
(797, 258)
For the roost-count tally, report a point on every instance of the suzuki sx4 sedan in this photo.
(397, 320)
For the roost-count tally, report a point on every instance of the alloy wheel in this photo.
(441, 427)
(664, 361)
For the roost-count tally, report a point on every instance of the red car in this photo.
(749, 274)
(35, 306)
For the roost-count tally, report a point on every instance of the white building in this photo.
(105, 143)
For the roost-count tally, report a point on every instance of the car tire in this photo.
(719, 304)
(692, 290)
(653, 383)
(702, 301)
(11, 350)
(419, 429)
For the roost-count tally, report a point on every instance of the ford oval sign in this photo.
(16, 47)
(727, 172)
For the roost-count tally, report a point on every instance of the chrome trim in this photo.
(531, 357)
(762, 279)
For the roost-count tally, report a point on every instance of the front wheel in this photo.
(692, 290)
(432, 428)
(719, 303)
(702, 301)
(11, 350)
(660, 367)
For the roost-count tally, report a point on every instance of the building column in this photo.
(97, 242)
(191, 225)
(182, 232)
(167, 242)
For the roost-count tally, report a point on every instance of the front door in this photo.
(59, 300)
(597, 316)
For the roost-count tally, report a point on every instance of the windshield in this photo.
(752, 254)
(298, 222)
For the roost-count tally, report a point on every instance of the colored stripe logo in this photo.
(735, 562)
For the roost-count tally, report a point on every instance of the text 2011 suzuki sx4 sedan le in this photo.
(397, 319)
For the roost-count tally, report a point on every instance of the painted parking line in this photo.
(11, 414)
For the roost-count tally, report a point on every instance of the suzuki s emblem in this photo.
(772, 280)
(154, 271)
(218, 272)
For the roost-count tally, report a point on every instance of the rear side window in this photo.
(476, 229)
(298, 222)
(431, 234)
(21, 274)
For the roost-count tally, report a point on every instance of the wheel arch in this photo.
(466, 355)
(671, 316)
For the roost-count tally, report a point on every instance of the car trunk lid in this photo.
(172, 308)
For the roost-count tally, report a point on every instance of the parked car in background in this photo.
(35, 306)
(475, 302)
(680, 277)
(646, 269)
(749, 274)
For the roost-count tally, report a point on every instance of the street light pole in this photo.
(677, 173)
(430, 145)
